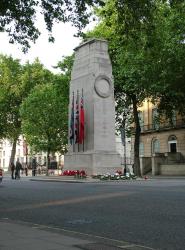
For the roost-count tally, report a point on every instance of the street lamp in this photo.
(123, 140)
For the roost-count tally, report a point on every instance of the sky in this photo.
(48, 53)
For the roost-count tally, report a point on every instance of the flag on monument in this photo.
(82, 120)
(77, 121)
(71, 138)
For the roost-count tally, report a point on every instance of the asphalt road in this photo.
(149, 213)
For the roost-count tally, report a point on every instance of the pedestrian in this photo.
(26, 170)
(18, 167)
(12, 167)
(34, 167)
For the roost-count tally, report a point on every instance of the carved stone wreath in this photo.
(103, 86)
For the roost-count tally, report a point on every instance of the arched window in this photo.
(155, 146)
(172, 144)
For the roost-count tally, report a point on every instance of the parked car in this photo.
(1, 175)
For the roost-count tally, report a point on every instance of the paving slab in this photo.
(14, 236)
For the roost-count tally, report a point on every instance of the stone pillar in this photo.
(92, 72)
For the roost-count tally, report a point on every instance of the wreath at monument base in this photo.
(116, 176)
(75, 173)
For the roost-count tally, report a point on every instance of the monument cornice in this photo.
(89, 42)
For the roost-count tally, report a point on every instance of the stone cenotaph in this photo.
(92, 76)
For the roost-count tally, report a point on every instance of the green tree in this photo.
(126, 27)
(17, 17)
(10, 82)
(168, 69)
(16, 81)
(143, 40)
(44, 116)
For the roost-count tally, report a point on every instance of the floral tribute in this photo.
(75, 173)
(116, 176)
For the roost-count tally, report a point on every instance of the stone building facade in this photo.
(162, 142)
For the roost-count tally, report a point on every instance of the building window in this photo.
(141, 149)
(141, 120)
(174, 118)
(155, 119)
(172, 144)
(155, 146)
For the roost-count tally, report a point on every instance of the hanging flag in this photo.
(77, 120)
(82, 120)
(71, 138)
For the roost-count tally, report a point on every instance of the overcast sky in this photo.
(48, 53)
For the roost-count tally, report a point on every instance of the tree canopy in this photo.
(44, 119)
(146, 45)
(18, 17)
(16, 82)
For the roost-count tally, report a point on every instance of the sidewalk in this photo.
(14, 236)
(71, 179)
(55, 178)
(63, 179)
(28, 236)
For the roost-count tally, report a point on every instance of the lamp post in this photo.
(123, 140)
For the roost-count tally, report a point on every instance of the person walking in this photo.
(18, 167)
(12, 167)
(34, 167)
(26, 170)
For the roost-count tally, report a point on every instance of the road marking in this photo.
(68, 201)
(136, 245)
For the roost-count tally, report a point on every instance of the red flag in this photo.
(82, 120)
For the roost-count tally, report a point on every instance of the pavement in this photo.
(19, 236)
(71, 179)
(89, 179)
(16, 235)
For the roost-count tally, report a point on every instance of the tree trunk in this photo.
(13, 151)
(137, 170)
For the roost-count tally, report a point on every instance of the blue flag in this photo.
(71, 138)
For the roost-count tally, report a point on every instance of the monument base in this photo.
(93, 162)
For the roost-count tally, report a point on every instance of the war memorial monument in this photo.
(92, 145)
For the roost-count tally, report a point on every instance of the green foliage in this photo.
(10, 97)
(43, 99)
(168, 75)
(16, 82)
(146, 45)
(44, 115)
(17, 17)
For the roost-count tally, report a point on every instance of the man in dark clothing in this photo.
(34, 167)
(12, 166)
(18, 167)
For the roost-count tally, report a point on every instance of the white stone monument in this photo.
(92, 72)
